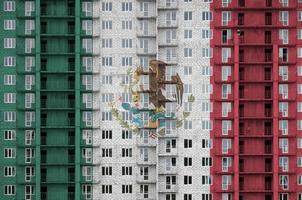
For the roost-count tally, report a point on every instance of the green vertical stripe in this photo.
(78, 99)
(37, 100)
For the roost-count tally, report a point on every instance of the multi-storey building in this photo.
(151, 100)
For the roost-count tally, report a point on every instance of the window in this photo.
(9, 43)
(206, 15)
(187, 52)
(106, 189)
(225, 54)
(107, 61)
(226, 108)
(188, 106)
(299, 161)
(206, 196)
(9, 190)
(299, 15)
(87, 191)
(283, 17)
(226, 181)
(188, 70)
(29, 137)
(87, 118)
(106, 171)
(87, 100)
(126, 134)
(206, 180)
(9, 61)
(107, 97)
(29, 155)
(299, 52)
(187, 180)
(29, 63)
(283, 126)
(283, 196)
(87, 136)
(107, 43)
(126, 6)
(29, 45)
(188, 143)
(283, 163)
(187, 161)
(127, 25)
(283, 145)
(9, 135)
(9, 97)
(283, 181)
(206, 125)
(226, 145)
(29, 118)
(29, 173)
(87, 173)
(9, 6)
(126, 152)
(9, 171)
(9, 79)
(106, 24)
(9, 116)
(206, 34)
(206, 52)
(9, 24)
(299, 70)
(87, 26)
(283, 35)
(299, 34)
(206, 161)
(206, 143)
(29, 100)
(226, 17)
(206, 70)
(87, 82)
(87, 9)
(106, 134)
(299, 88)
(188, 34)
(299, 179)
(226, 90)
(107, 79)
(126, 43)
(29, 8)
(127, 189)
(188, 197)
(187, 15)
(226, 71)
(226, 163)
(87, 45)
(283, 90)
(225, 3)
(299, 106)
(107, 152)
(299, 196)
(9, 152)
(107, 6)
(299, 143)
(126, 171)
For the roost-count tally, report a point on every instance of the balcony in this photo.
(146, 14)
(167, 151)
(151, 178)
(167, 24)
(167, 5)
(146, 142)
(167, 188)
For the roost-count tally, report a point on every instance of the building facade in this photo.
(151, 100)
